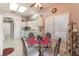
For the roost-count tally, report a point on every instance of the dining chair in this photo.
(48, 35)
(49, 39)
(55, 51)
(30, 35)
(45, 43)
(57, 47)
(31, 49)
(24, 47)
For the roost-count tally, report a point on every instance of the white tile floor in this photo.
(18, 48)
(16, 44)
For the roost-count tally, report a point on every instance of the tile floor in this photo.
(18, 51)
(14, 43)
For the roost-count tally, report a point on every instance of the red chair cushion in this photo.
(32, 41)
(45, 41)
(7, 51)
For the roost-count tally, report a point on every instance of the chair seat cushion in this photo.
(45, 41)
(31, 41)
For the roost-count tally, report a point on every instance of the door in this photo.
(49, 25)
(8, 28)
(61, 24)
(57, 25)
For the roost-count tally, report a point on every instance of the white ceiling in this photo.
(28, 12)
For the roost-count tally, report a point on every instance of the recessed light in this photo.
(22, 9)
(13, 6)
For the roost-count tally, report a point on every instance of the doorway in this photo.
(8, 27)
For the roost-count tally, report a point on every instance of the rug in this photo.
(7, 51)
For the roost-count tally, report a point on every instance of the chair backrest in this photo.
(48, 35)
(49, 38)
(57, 47)
(24, 47)
(30, 35)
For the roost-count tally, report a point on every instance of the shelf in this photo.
(72, 40)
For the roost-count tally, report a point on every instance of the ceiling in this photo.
(29, 11)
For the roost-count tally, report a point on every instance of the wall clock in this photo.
(54, 10)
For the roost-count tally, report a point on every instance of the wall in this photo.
(64, 7)
(17, 27)
(17, 22)
(1, 35)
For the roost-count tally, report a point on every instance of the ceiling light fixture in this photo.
(21, 9)
(38, 5)
(13, 6)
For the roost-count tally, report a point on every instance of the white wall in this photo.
(17, 22)
(17, 27)
(1, 35)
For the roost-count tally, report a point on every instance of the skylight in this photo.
(13, 6)
(22, 9)
(17, 7)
